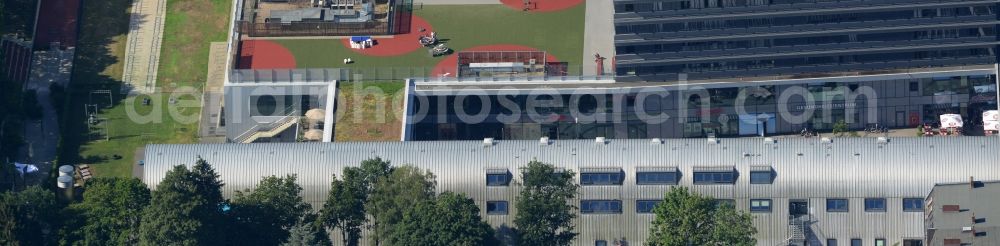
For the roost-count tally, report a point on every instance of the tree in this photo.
(449, 219)
(393, 195)
(28, 217)
(840, 128)
(179, 212)
(307, 232)
(684, 218)
(363, 179)
(112, 211)
(544, 216)
(265, 214)
(344, 208)
(214, 223)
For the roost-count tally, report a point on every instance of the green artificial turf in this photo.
(559, 33)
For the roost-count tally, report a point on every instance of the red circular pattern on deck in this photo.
(542, 5)
(399, 44)
(450, 64)
(263, 54)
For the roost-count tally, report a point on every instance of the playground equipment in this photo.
(439, 50)
(428, 40)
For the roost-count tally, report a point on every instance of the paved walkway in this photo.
(142, 52)
(211, 110)
(599, 35)
(41, 136)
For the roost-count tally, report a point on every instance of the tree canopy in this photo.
(184, 209)
(404, 187)
(684, 218)
(544, 215)
(344, 208)
(265, 214)
(27, 217)
(449, 219)
(112, 211)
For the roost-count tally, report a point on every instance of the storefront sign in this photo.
(951, 120)
(991, 116)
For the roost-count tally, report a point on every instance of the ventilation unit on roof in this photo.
(882, 140)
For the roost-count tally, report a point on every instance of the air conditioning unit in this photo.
(769, 140)
(713, 140)
(656, 141)
(544, 141)
(532, 62)
(600, 140)
(488, 142)
(882, 140)
(826, 140)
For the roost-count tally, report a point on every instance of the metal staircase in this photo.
(266, 131)
(797, 229)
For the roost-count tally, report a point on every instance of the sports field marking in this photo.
(263, 54)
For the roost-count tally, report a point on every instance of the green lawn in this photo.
(464, 26)
(359, 118)
(190, 27)
(125, 134)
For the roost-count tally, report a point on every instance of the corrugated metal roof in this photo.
(851, 168)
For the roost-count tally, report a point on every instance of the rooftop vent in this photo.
(600, 140)
(826, 140)
(882, 140)
(487, 142)
(544, 141)
(713, 140)
(656, 141)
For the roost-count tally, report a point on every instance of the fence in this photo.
(386, 74)
(16, 63)
(397, 20)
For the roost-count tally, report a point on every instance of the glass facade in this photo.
(658, 40)
(731, 111)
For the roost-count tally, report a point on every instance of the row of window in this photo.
(711, 45)
(648, 178)
(765, 64)
(791, 21)
(835, 205)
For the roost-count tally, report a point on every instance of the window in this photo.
(601, 178)
(914, 86)
(913, 204)
(913, 242)
(714, 177)
(497, 179)
(645, 206)
(855, 242)
(760, 177)
(760, 205)
(836, 205)
(601, 243)
(496, 207)
(725, 202)
(879, 242)
(656, 178)
(600, 206)
(831, 242)
(874, 204)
